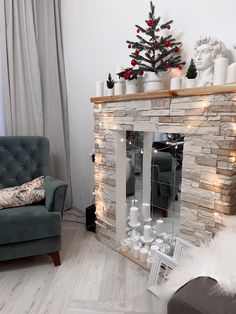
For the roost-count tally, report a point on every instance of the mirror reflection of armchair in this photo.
(165, 181)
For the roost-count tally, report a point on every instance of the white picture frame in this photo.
(161, 267)
(181, 248)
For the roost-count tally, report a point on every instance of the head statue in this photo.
(207, 49)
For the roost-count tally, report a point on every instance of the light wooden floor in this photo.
(92, 279)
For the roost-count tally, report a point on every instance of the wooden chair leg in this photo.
(56, 258)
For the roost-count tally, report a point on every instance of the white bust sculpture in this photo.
(207, 49)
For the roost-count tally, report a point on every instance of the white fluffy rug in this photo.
(217, 260)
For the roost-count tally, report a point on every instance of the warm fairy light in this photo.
(130, 143)
(100, 106)
(122, 140)
(217, 215)
(189, 126)
(155, 151)
(94, 193)
(141, 151)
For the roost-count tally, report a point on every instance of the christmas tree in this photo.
(156, 50)
(192, 71)
(110, 82)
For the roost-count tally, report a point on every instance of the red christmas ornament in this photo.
(133, 62)
(129, 46)
(180, 67)
(136, 52)
(141, 73)
(177, 49)
(167, 65)
(167, 43)
(138, 30)
(127, 74)
(150, 23)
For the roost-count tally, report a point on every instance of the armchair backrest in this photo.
(22, 158)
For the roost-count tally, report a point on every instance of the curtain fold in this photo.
(34, 88)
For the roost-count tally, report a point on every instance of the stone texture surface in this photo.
(209, 169)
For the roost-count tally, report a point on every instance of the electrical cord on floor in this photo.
(77, 222)
(79, 216)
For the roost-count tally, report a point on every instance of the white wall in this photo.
(94, 33)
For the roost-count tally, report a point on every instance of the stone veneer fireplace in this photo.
(207, 117)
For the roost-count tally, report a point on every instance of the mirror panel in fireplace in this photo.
(153, 180)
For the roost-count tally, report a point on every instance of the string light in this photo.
(189, 126)
(122, 140)
(155, 151)
(141, 151)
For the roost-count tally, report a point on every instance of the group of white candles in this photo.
(143, 254)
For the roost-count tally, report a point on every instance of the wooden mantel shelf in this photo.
(188, 92)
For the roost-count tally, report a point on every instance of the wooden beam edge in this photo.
(187, 92)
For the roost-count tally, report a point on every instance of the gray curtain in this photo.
(34, 86)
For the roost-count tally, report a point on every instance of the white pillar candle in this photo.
(147, 233)
(175, 83)
(220, 71)
(99, 88)
(231, 73)
(134, 216)
(134, 242)
(153, 249)
(146, 211)
(143, 254)
(136, 251)
(159, 242)
(159, 227)
(119, 68)
(119, 88)
(134, 203)
(124, 245)
(149, 262)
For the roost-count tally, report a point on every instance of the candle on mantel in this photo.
(119, 68)
(159, 227)
(220, 71)
(175, 83)
(134, 216)
(146, 211)
(143, 254)
(99, 88)
(147, 233)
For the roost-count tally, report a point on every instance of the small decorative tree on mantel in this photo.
(156, 50)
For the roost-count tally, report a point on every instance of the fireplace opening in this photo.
(153, 180)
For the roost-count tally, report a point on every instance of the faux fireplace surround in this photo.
(207, 117)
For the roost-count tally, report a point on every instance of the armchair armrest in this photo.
(55, 191)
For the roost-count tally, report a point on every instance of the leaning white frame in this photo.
(180, 246)
(159, 258)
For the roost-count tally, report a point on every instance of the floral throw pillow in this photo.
(25, 194)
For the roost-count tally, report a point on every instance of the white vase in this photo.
(110, 91)
(131, 86)
(190, 83)
(153, 81)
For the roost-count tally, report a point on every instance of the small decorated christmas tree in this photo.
(192, 71)
(156, 50)
(110, 82)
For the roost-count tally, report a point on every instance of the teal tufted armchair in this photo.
(32, 229)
